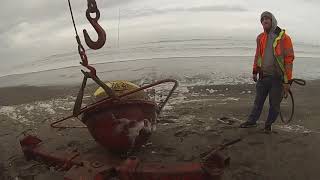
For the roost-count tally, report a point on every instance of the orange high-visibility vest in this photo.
(283, 52)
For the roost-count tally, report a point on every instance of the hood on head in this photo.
(273, 19)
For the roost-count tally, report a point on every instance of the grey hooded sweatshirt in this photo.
(270, 67)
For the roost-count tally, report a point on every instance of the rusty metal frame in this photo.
(77, 167)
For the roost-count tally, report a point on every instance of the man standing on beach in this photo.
(273, 63)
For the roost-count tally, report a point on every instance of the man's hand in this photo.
(286, 88)
(254, 77)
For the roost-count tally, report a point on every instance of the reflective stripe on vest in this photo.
(279, 57)
(259, 63)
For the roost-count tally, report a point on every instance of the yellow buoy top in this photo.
(120, 87)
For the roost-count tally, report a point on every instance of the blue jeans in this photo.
(271, 86)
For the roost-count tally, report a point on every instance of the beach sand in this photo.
(188, 125)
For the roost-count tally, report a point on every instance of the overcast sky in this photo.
(35, 29)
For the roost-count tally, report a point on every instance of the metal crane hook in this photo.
(92, 8)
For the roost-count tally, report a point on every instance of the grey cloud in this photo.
(311, 1)
(218, 8)
(37, 11)
(153, 11)
(50, 16)
(113, 3)
(34, 12)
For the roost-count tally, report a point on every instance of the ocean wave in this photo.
(163, 49)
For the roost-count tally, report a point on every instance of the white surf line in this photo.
(295, 128)
(182, 101)
(195, 100)
(25, 113)
(287, 128)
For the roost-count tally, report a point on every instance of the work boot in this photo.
(248, 124)
(267, 129)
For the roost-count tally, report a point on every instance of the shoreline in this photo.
(17, 94)
(209, 70)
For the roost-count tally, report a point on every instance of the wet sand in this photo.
(188, 126)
